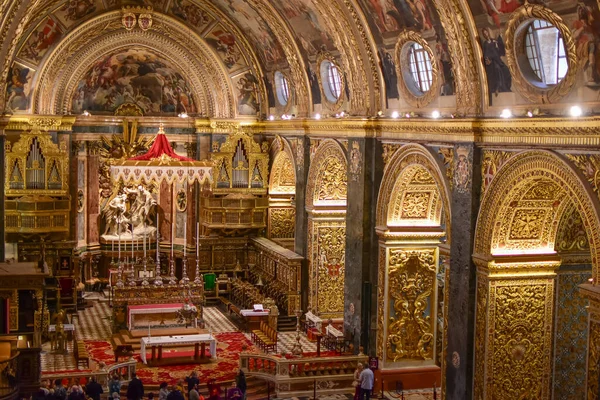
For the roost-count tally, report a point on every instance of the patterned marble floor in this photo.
(94, 324)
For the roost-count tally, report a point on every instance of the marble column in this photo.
(461, 294)
(92, 196)
(364, 178)
(302, 157)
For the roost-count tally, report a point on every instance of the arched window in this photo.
(282, 88)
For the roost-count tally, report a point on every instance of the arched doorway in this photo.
(326, 207)
(412, 223)
(535, 212)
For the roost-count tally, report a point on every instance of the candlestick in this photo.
(144, 240)
(172, 237)
(184, 237)
(197, 237)
(197, 279)
(158, 279)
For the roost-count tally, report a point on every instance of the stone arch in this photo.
(328, 168)
(529, 168)
(326, 193)
(283, 159)
(412, 220)
(58, 78)
(413, 157)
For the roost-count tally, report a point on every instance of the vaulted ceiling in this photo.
(216, 49)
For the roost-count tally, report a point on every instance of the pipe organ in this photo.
(36, 184)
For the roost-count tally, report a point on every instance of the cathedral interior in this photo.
(414, 184)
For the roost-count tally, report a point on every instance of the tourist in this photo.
(76, 393)
(163, 391)
(60, 392)
(193, 394)
(192, 381)
(116, 396)
(135, 389)
(214, 390)
(39, 395)
(234, 392)
(44, 387)
(175, 394)
(240, 380)
(356, 382)
(114, 386)
(366, 379)
(93, 389)
(151, 396)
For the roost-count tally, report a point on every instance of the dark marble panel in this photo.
(461, 303)
(302, 157)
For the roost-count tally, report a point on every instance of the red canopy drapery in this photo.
(160, 146)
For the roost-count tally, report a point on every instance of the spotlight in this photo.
(183, 115)
(435, 114)
(379, 113)
(317, 116)
(506, 113)
(395, 114)
(271, 117)
(343, 113)
(576, 111)
(86, 113)
(529, 113)
(407, 115)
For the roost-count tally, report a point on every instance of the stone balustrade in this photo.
(299, 376)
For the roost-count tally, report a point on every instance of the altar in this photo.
(165, 311)
(253, 318)
(159, 343)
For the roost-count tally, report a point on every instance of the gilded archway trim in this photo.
(68, 62)
(282, 179)
(530, 165)
(327, 176)
(337, 104)
(515, 34)
(403, 70)
(408, 156)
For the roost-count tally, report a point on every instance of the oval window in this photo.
(419, 64)
(546, 56)
(282, 88)
(332, 81)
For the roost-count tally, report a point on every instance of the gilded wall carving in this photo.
(481, 313)
(492, 161)
(283, 176)
(520, 340)
(389, 149)
(282, 224)
(571, 232)
(524, 170)
(328, 245)
(411, 291)
(570, 336)
(593, 389)
(415, 197)
(589, 165)
(381, 284)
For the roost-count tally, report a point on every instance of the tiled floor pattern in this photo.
(94, 324)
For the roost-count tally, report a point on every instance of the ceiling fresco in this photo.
(137, 76)
(307, 24)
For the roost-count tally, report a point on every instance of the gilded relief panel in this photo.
(416, 198)
(411, 302)
(570, 336)
(481, 314)
(282, 223)
(331, 248)
(520, 339)
(593, 376)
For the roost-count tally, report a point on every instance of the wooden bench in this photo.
(265, 337)
(81, 354)
(233, 309)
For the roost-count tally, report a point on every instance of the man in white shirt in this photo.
(366, 379)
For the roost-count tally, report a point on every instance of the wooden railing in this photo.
(300, 376)
(9, 384)
(124, 369)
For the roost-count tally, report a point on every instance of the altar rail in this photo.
(297, 376)
(125, 370)
(280, 269)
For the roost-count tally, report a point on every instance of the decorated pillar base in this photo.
(514, 327)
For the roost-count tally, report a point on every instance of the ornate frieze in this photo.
(492, 161)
